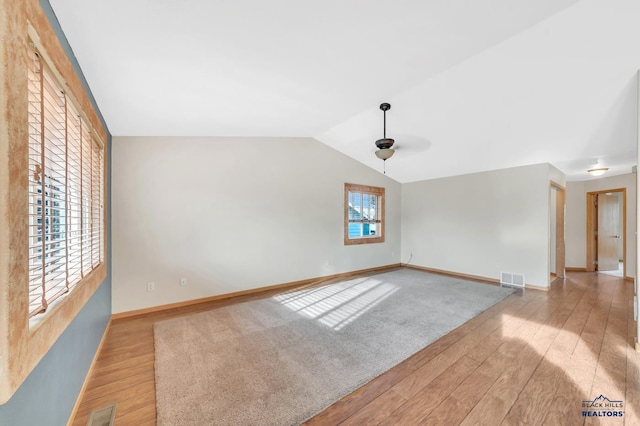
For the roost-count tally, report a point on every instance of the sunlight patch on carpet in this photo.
(338, 305)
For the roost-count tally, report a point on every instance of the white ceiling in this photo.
(473, 85)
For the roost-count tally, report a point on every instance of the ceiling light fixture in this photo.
(598, 171)
(384, 145)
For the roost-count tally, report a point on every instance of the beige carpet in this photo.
(280, 360)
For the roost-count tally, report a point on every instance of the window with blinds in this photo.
(66, 191)
(363, 214)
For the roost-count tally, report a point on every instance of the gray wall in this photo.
(48, 395)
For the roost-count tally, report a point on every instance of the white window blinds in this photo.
(66, 191)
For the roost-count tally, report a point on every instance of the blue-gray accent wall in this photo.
(49, 393)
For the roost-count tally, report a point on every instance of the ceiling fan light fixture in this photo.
(385, 153)
(598, 171)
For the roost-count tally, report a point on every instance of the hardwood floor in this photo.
(530, 359)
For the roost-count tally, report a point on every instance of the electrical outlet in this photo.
(151, 286)
(183, 282)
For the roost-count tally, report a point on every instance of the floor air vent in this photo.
(512, 280)
(103, 417)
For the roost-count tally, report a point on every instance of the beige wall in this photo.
(482, 223)
(576, 237)
(232, 214)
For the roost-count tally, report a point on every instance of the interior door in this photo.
(608, 228)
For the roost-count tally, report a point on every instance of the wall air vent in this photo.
(512, 280)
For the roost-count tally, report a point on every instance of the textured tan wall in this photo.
(22, 346)
(5, 14)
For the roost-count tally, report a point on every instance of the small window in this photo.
(363, 214)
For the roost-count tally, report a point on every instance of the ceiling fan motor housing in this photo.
(385, 143)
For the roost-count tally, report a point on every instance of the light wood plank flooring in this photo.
(530, 359)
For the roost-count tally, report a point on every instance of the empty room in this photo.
(320, 213)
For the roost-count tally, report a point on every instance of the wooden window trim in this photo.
(365, 189)
(24, 342)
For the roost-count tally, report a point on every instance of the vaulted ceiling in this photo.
(473, 85)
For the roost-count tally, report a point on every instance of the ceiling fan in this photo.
(384, 145)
